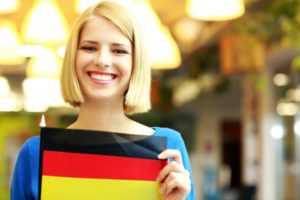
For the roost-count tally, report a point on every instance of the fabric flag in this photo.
(85, 164)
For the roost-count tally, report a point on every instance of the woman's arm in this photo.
(20, 178)
(187, 166)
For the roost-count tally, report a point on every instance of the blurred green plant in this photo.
(275, 22)
(296, 64)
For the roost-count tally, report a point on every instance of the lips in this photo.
(101, 77)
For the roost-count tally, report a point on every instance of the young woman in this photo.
(106, 74)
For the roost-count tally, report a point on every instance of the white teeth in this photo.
(102, 77)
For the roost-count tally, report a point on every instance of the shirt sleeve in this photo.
(21, 175)
(186, 162)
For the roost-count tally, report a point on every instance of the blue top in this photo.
(25, 178)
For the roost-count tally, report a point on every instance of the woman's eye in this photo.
(88, 48)
(120, 51)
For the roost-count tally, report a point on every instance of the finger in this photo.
(173, 184)
(163, 188)
(180, 181)
(170, 167)
(171, 153)
(164, 185)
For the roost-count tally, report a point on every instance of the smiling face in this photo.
(103, 60)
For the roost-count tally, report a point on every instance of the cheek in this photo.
(129, 69)
(124, 65)
(82, 60)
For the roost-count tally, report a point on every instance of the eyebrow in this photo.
(120, 44)
(88, 41)
(113, 44)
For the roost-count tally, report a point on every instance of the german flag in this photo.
(93, 165)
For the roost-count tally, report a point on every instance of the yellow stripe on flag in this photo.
(54, 188)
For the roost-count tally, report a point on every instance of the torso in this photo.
(33, 144)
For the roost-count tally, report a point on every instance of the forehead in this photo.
(102, 30)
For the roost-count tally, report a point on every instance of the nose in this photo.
(103, 58)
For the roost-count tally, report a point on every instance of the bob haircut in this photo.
(137, 97)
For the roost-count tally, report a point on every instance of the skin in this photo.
(104, 50)
(174, 178)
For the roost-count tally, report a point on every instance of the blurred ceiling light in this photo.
(4, 87)
(287, 109)
(8, 33)
(41, 93)
(47, 65)
(297, 127)
(215, 10)
(186, 91)
(45, 24)
(31, 50)
(10, 103)
(81, 5)
(277, 132)
(164, 52)
(9, 42)
(294, 94)
(61, 51)
(187, 31)
(8, 6)
(8, 100)
(281, 79)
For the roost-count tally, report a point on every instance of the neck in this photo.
(101, 116)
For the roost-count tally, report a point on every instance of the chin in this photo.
(103, 95)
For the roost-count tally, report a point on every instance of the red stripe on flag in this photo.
(100, 166)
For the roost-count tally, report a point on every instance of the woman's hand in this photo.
(175, 180)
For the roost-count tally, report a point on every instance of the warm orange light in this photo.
(215, 10)
(45, 24)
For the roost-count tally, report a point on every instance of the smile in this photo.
(102, 77)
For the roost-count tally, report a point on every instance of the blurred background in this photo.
(226, 74)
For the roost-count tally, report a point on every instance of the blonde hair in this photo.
(137, 97)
